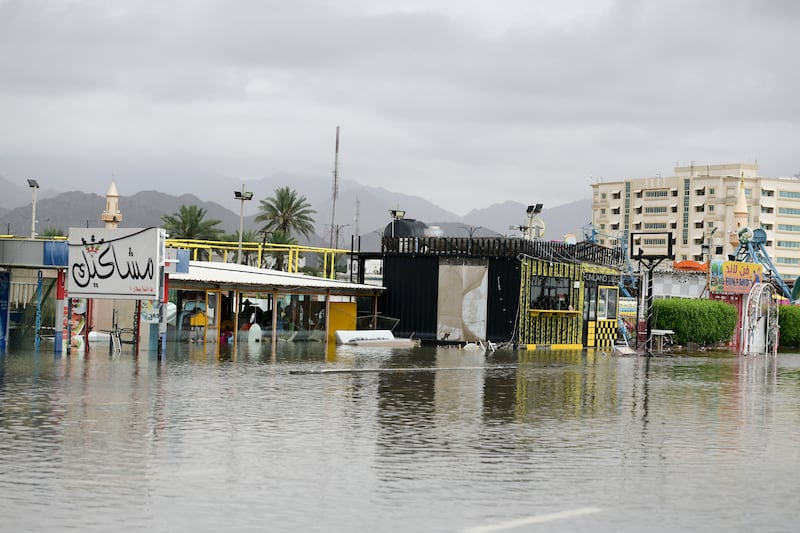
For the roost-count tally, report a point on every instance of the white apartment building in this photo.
(698, 206)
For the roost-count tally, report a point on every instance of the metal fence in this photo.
(582, 252)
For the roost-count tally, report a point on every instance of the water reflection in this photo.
(446, 438)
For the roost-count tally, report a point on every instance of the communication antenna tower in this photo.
(335, 193)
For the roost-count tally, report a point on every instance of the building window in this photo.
(655, 225)
(700, 208)
(786, 211)
(771, 210)
(711, 191)
(768, 194)
(710, 208)
(700, 192)
(788, 244)
(602, 210)
(789, 227)
(607, 298)
(548, 292)
(615, 211)
(788, 260)
(614, 227)
(655, 210)
(603, 196)
(656, 194)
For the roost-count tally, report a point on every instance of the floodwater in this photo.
(421, 439)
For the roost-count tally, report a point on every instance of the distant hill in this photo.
(360, 209)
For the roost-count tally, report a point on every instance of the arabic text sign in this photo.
(734, 277)
(115, 263)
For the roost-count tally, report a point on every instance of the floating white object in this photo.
(371, 337)
(254, 333)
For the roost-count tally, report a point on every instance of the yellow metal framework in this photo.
(228, 249)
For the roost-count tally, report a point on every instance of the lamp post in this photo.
(33, 184)
(242, 196)
(396, 215)
(532, 211)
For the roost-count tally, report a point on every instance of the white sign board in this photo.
(115, 263)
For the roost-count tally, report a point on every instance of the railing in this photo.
(503, 247)
(255, 253)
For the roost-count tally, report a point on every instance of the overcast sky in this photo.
(465, 102)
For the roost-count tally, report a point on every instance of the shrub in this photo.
(700, 321)
(789, 320)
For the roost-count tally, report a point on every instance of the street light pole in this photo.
(396, 214)
(33, 184)
(241, 196)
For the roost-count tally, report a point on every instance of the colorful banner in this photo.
(733, 277)
(628, 311)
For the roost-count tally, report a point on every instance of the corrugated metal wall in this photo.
(504, 285)
(412, 283)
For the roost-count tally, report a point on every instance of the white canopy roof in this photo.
(243, 277)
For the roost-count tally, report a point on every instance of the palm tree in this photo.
(280, 237)
(189, 223)
(287, 211)
(248, 235)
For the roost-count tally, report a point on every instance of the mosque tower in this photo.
(739, 214)
(111, 215)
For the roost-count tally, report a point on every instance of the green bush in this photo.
(789, 320)
(699, 321)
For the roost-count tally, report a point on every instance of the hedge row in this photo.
(703, 322)
(789, 320)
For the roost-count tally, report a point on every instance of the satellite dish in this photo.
(537, 228)
(570, 238)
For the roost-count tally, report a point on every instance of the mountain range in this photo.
(360, 210)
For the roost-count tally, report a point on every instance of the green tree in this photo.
(248, 235)
(53, 232)
(279, 257)
(190, 223)
(287, 211)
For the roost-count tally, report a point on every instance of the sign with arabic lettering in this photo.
(115, 263)
(733, 277)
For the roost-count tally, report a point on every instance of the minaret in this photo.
(111, 215)
(739, 213)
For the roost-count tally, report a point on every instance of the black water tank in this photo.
(405, 227)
